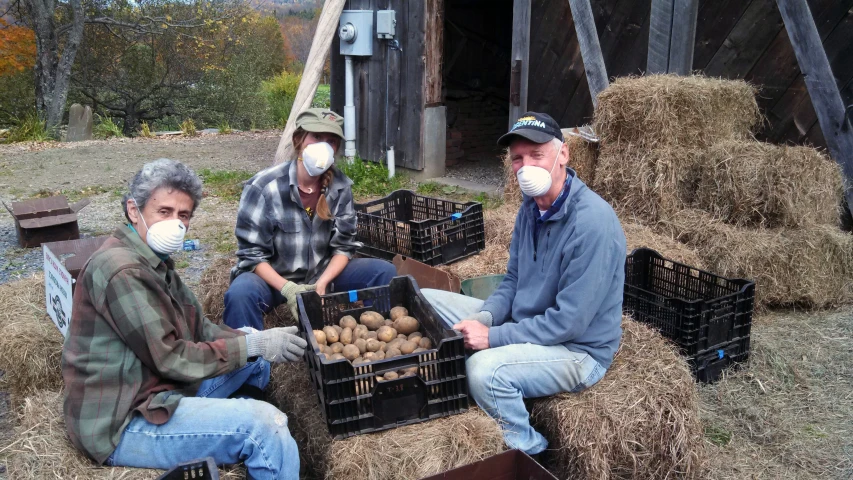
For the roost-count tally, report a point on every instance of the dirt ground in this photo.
(789, 414)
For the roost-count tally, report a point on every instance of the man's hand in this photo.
(476, 334)
(321, 286)
(289, 291)
(276, 345)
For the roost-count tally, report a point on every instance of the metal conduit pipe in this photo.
(349, 112)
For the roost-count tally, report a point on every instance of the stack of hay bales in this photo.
(678, 157)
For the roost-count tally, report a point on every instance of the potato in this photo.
(360, 331)
(386, 334)
(350, 352)
(358, 361)
(425, 343)
(331, 335)
(388, 322)
(361, 344)
(373, 345)
(338, 329)
(403, 374)
(380, 355)
(337, 347)
(393, 352)
(371, 335)
(391, 375)
(419, 350)
(406, 325)
(371, 320)
(337, 356)
(392, 344)
(415, 337)
(411, 370)
(402, 337)
(348, 321)
(346, 336)
(369, 357)
(398, 312)
(320, 336)
(408, 347)
(382, 346)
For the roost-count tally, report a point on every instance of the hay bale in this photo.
(583, 158)
(512, 191)
(647, 184)
(31, 345)
(414, 451)
(757, 184)
(40, 447)
(213, 284)
(498, 224)
(657, 111)
(639, 236)
(640, 421)
(810, 268)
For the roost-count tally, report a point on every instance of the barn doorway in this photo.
(476, 84)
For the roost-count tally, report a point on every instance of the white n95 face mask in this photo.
(317, 158)
(164, 237)
(536, 181)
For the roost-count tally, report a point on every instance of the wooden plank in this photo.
(547, 46)
(409, 152)
(593, 61)
(793, 117)
(326, 27)
(520, 52)
(660, 35)
(683, 36)
(716, 20)
(753, 33)
(821, 84)
(434, 51)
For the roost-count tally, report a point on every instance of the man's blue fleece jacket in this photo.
(564, 287)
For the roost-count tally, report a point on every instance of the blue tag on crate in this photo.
(721, 353)
(353, 296)
(456, 216)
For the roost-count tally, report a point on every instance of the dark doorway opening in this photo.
(476, 80)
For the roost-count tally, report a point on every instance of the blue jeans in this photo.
(211, 424)
(249, 297)
(499, 379)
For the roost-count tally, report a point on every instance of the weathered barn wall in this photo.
(734, 39)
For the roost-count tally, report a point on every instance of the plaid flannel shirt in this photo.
(273, 227)
(137, 342)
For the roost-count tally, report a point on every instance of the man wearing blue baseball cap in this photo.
(554, 323)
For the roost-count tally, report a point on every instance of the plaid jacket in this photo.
(272, 226)
(137, 343)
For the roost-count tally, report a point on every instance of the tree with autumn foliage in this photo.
(17, 57)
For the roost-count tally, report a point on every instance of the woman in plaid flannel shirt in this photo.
(296, 229)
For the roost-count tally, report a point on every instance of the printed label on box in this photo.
(57, 287)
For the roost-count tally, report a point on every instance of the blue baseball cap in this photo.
(536, 127)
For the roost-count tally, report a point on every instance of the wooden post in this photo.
(821, 85)
(672, 36)
(520, 57)
(327, 28)
(683, 39)
(660, 36)
(593, 62)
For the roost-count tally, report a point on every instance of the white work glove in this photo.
(289, 292)
(276, 345)
(484, 317)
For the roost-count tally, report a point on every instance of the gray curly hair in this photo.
(162, 173)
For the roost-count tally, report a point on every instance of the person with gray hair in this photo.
(149, 381)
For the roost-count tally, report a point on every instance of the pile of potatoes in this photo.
(372, 338)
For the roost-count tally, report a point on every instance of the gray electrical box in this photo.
(356, 32)
(386, 24)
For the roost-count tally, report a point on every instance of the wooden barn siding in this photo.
(405, 93)
(734, 39)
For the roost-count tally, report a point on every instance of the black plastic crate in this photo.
(351, 399)
(430, 230)
(701, 312)
(709, 365)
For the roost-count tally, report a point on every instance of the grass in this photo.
(29, 129)
(371, 179)
(146, 130)
(226, 184)
(224, 128)
(182, 263)
(434, 189)
(188, 128)
(106, 128)
(72, 195)
(323, 97)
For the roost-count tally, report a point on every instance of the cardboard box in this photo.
(427, 276)
(46, 220)
(510, 465)
(62, 264)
